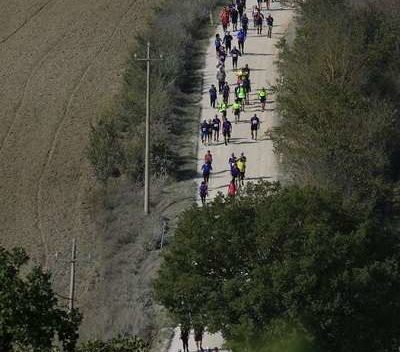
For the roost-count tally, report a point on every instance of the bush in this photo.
(118, 344)
(105, 152)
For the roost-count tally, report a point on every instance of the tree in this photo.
(287, 254)
(29, 313)
(339, 98)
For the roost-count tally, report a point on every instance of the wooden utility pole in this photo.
(72, 277)
(148, 60)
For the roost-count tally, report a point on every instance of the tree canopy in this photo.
(291, 255)
(339, 97)
(30, 317)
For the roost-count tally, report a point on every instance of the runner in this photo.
(213, 95)
(270, 24)
(216, 127)
(241, 165)
(235, 173)
(228, 41)
(226, 130)
(243, 157)
(236, 107)
(222, 107)
(224, 17)
(255, 125)
(206, 168)
(217, 43)
(185, 338)
(258, 19)
(232, 159)
(241, 37)
(235, 53)
(225, 93)
(222, 56)
(198, 337)
(208, 157)
(234, 18)
(246, 71)
(263, 97)
(247, 87)
(245, 23)
(203, 191)
(232, 189)
(221, 75)
(240, 9)
(241, 94)
(204, 131)
(209, 131)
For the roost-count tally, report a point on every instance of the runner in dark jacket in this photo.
(254, 126)
(270, 24)
(213, 96)
(216, 127)
(234, 18)
(204, 131)
(203, 192)
(235, 53)
(228, 41)
(226, 130)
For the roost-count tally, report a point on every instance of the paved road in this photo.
(260, 54)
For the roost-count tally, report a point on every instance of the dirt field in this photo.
(61, 62)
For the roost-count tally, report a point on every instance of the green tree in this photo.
(29, 315)
(339, 98)
(286, 254)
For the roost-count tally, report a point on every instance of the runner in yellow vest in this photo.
(242, 95)
(236, 107)
(263, 97)
(222, 107)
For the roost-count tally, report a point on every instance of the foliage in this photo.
(171, 79)
(339, 98)
(286, 254)
(29, 313)
(118, 344)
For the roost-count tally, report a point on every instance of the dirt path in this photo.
(260, 54)
(61, 61)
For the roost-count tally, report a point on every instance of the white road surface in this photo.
(262, 163)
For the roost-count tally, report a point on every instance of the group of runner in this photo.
(237, 167)
(212, 129)
(198, 338)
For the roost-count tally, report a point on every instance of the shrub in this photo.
(118, 344)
